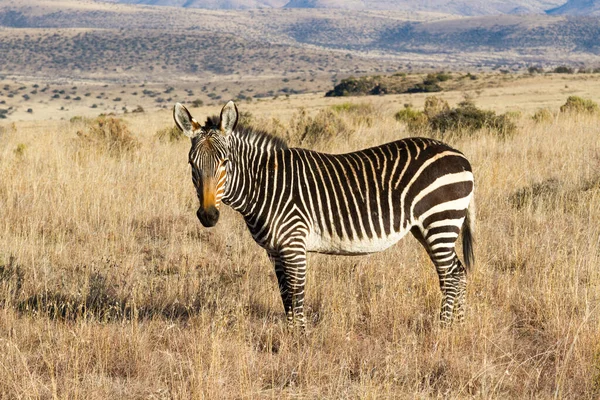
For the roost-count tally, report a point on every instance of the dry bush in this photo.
(307, 131)
(108, 134)
(169, 134)
(435, 105)
(543, 115)
(357, 113)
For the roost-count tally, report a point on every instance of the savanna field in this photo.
(111, 288)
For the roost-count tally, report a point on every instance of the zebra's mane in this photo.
(249, 133)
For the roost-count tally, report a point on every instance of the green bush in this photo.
(467, 119)
(394, 84)
(20, 150)
(352, 86)
(416, 121)
(535, 70)
(564, 70)
(576, 104)
(425, 87)
(443, 76)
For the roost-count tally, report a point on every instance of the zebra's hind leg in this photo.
(440, 245)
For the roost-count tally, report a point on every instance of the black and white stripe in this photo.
(296, 201)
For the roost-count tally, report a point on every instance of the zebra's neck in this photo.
(250, 151)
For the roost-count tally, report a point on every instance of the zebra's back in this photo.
(365, 201)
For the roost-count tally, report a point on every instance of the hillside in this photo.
(464, 7)
(211, 4)
(86, 40)
(577, 7)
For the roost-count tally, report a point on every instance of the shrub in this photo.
(535, 70)
(467, 119)
(576, 104)
(425, 87)
(20, 150)
(435, 105)
(170, 134)
(394, 84)
(78, 118)
(360, 113)
(563, 70)
(108, 134)
(543, 115)
(197, 103)
(308, 131)
(415, 120)
(138, 109)
(443, 76)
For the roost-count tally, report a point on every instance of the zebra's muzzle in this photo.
(208, 217)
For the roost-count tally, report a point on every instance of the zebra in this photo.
(295, 200)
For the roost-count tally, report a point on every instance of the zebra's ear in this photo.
(229, 117)
(184, 121)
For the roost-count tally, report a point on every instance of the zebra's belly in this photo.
(324, 243)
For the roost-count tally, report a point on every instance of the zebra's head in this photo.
(208, 157)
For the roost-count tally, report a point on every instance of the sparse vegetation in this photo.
(104, 257)
(393, 84)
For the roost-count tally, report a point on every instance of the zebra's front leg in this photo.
(292, 264)
(283, 288)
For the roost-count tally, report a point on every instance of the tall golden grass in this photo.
(110, 287)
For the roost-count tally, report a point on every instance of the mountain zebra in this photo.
(296, 201)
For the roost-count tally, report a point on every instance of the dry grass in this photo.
(110, 288)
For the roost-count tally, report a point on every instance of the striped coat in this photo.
(296, 201)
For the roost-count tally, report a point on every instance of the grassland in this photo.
(110, 287)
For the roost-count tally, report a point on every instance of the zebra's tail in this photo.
(467, 236)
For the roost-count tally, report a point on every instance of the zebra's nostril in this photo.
(208, 217)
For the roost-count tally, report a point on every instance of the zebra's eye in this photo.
(224, 162)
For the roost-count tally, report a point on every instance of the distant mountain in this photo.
(577, 7)
(210, 4)
(346, 5)
(454, 7)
